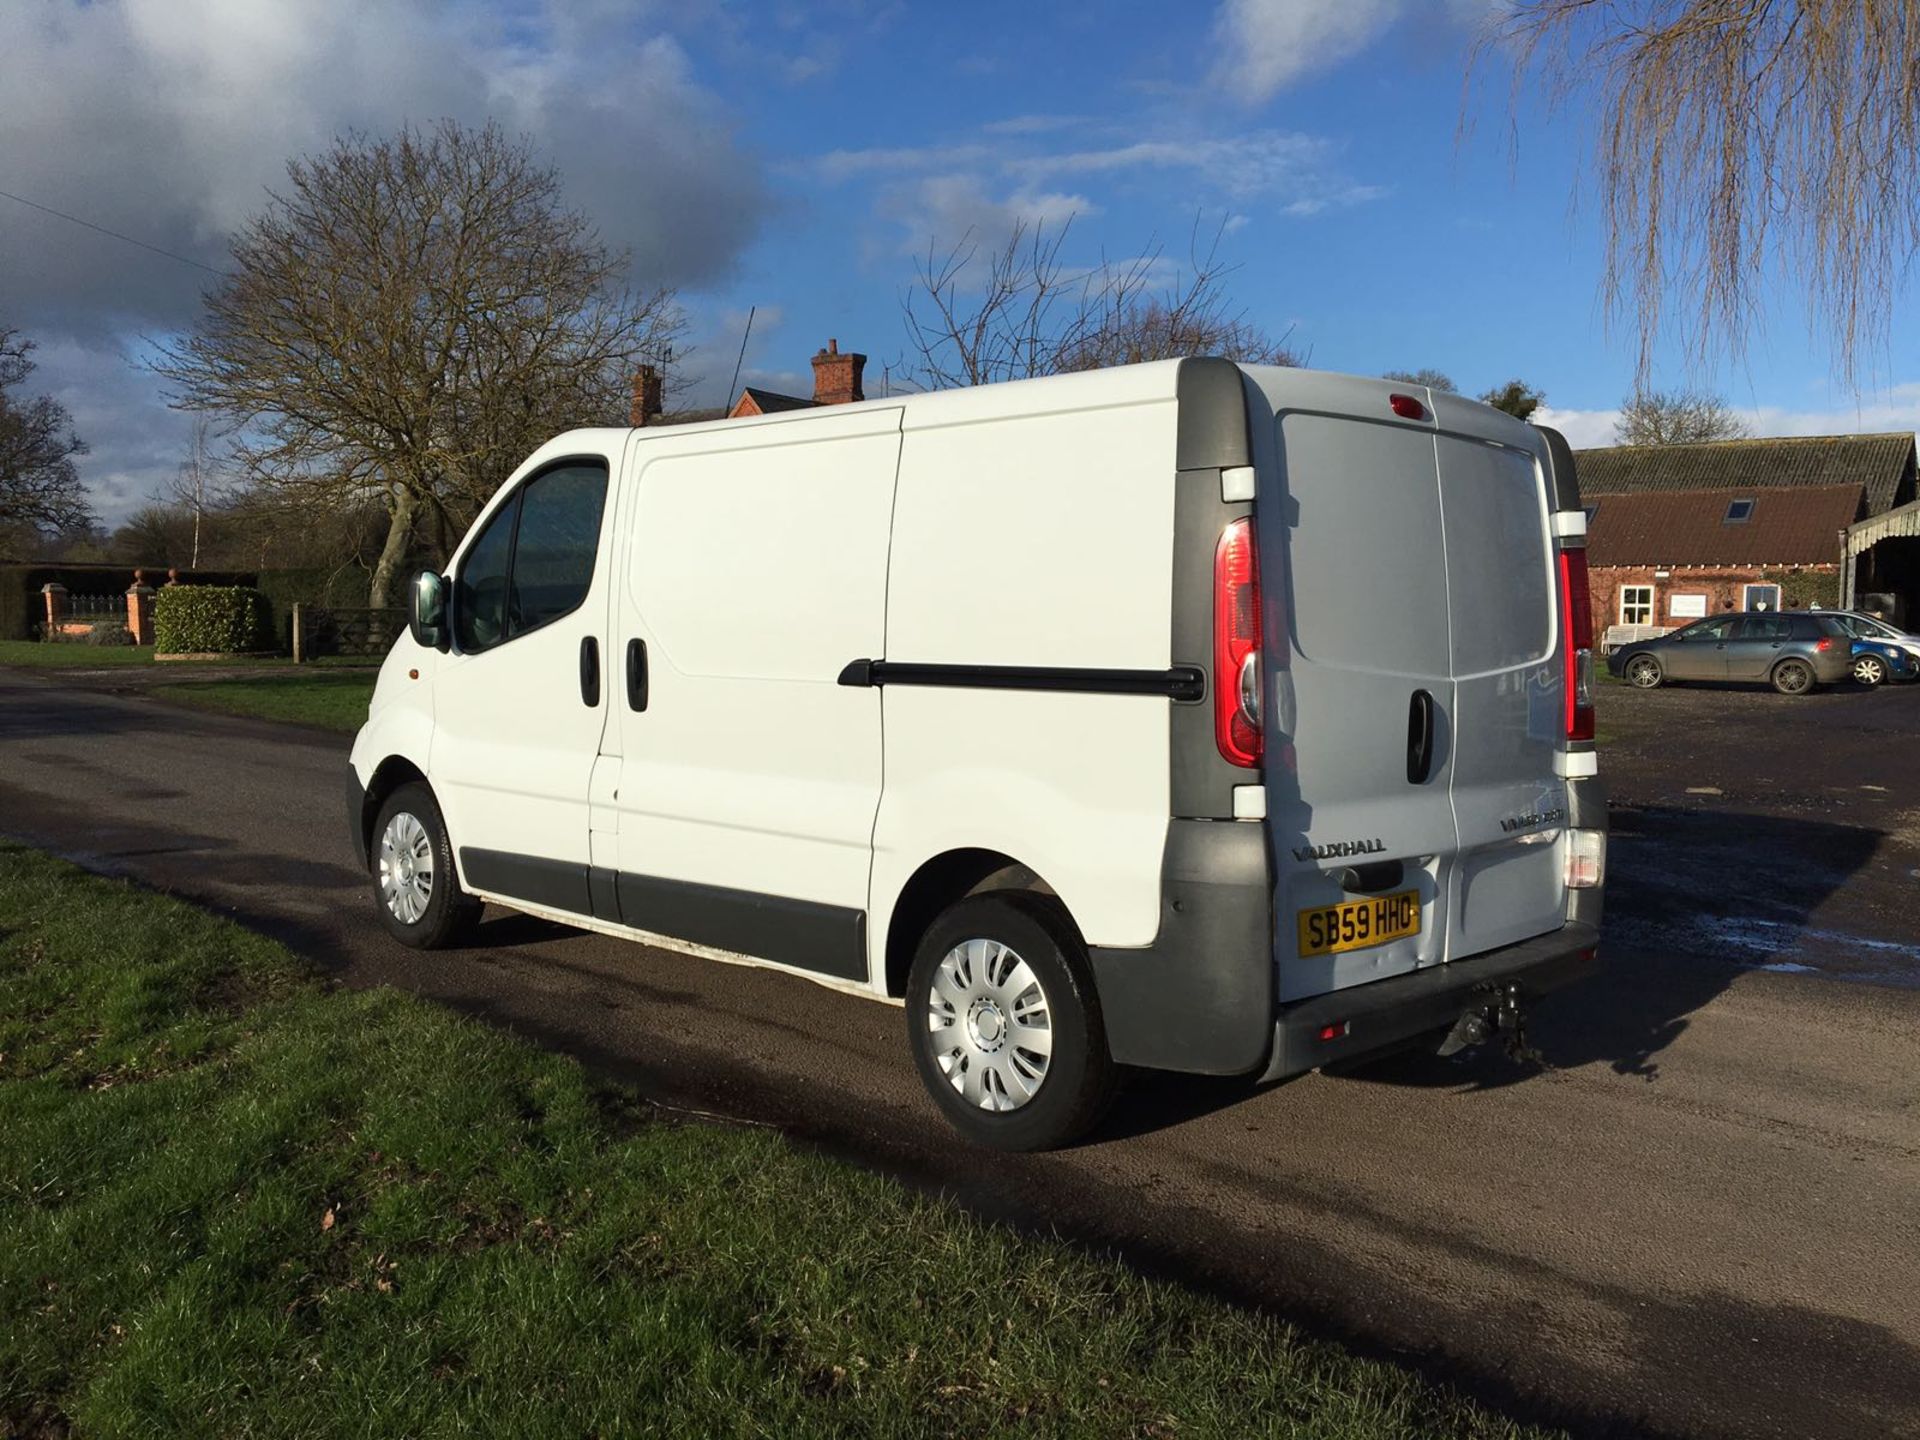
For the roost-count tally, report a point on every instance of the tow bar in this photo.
(1501, 1013)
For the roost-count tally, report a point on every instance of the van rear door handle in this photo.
(636, 674)
(590, 671)
(1419, 738)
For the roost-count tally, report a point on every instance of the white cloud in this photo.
(1263, 46)
(938, 193)
(1266, 45)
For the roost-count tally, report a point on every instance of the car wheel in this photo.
(1644, 673)
(1869, 670)
(1005, 1025)
(414, 885)
(1793, 677)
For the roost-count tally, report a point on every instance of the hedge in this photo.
(210, 619)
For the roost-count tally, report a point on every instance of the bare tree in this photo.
(1733, 133)
(1676, 417)
(1021, 311)
(39, 483)
(405, 323)
(1516, 397)
(197, 484)
(1431, 378)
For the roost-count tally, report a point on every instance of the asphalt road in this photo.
(1703, 1218)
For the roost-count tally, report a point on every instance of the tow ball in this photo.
(1500, 1013)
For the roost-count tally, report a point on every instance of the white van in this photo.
(1195, 716)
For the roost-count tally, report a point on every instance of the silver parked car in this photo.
(1794, 652)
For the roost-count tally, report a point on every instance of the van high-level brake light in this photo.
(1407, 408)
(1576, 642)
(1236, 646)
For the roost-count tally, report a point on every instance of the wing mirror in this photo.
(427, 610)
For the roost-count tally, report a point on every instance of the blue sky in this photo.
(799, 156)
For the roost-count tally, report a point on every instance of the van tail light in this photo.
(1576, 643)
(1236, 646)
(1586, 859)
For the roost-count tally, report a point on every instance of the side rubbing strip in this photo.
(826, 939)
(1178, 682)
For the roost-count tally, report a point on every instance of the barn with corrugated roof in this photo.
(1678, 532)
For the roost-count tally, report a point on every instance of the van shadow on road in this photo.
(1667, 866)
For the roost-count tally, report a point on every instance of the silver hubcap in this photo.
(1867, 672)
(988, 1024)
(1644, 673)
(406, 868)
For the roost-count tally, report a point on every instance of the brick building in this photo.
(1677, 532)
(838, 377)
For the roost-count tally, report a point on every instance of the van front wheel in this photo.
(1004, 1024)
(414, 885)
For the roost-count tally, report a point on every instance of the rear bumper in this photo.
(1381, 1015)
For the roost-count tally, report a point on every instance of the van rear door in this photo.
(1509, 801)
(1359, 753)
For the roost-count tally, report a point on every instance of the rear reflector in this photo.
(1576, 643)
(1407, 408)
(1586, 859)
(1236, 646)
(1336, 1032)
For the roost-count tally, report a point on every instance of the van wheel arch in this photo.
(941, 882)
(388, 776)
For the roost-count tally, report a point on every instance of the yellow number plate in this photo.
(1356, 924)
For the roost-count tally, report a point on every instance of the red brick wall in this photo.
(1722, 585)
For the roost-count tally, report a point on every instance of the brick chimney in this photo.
(646, 396)
(836, 376)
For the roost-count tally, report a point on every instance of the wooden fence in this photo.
(344, 630)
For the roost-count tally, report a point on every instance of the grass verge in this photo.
(234, 1202)
(334, 699)
(58, 656)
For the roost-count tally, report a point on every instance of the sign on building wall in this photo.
(1687, 607)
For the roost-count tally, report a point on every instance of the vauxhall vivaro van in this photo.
(1196, 716)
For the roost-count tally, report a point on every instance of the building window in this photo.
(1739, 512)
(1760, 597)
(1636, 604)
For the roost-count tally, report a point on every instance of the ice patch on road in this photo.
(1780, 946)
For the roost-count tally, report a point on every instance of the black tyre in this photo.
(1869, 670)
(1793, 677)
(414, 884)
(1643, 672)
(1005, 1026)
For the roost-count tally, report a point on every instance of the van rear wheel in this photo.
(1005, 1026)
(414, 885)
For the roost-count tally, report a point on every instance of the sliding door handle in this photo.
(636, 674)
(1420, 738)
(590, 671)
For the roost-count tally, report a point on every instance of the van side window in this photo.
(480, 589)
(533, 563)
(559, 533)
